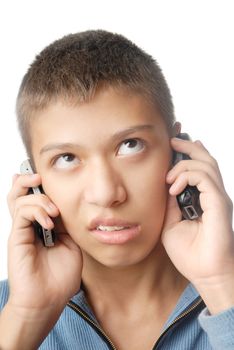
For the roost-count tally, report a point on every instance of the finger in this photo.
(37, 200)
(211, 195)
(195, 150)
(196, 178)
(22, 229)
(190, 165)
(21, 185)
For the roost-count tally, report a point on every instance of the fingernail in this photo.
(169, 175)
(199, 143)
(177, 138)
(48, 221)
(51, 206)
(173, 188)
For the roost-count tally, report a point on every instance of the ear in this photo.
(176, 129)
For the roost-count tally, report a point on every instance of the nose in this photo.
(104, 186)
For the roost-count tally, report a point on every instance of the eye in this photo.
(66, 161)
(131, 146)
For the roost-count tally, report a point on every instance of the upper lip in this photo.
(109, 222)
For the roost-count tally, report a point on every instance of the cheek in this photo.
(150, 193)
(148, 183)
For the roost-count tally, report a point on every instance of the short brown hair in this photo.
(73, 67)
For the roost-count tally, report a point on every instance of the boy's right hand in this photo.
(41, 279)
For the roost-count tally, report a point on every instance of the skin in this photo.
(103, 178)
(106, 178)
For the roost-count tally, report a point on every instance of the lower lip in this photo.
(116, 237)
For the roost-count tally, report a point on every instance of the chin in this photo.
(119, 260)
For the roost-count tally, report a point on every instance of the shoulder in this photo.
(4, 293)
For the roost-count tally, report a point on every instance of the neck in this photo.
(154, 278)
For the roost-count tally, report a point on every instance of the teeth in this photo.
(110, 228)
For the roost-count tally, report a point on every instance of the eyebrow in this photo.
(114, 137)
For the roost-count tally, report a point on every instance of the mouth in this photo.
(115, 234)
(111, 228)
(109, 223)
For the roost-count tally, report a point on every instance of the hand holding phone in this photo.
(40, 281)
(47, 236)
(188, 200)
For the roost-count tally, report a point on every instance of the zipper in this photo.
(105, 337)
(86, 317)
(177, 319)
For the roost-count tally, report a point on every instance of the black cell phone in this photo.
(188, 200)
(47, 236)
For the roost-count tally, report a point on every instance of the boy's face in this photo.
(93, 164)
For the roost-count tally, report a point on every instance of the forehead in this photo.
(108, 112)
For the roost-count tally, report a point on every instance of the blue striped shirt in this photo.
(190, 326)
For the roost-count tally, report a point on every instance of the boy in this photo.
(126, 271)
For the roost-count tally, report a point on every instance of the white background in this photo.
(191, 40)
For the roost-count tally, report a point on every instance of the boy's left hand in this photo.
(203, 249)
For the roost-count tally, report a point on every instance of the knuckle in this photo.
(205, 174)
(230, 203)
(16, 212)
(9, 198)
(185, 163)
(18, 203)
(213, 162)
(183, 176)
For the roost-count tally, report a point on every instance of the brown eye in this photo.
(131, 146)
(66, 161)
